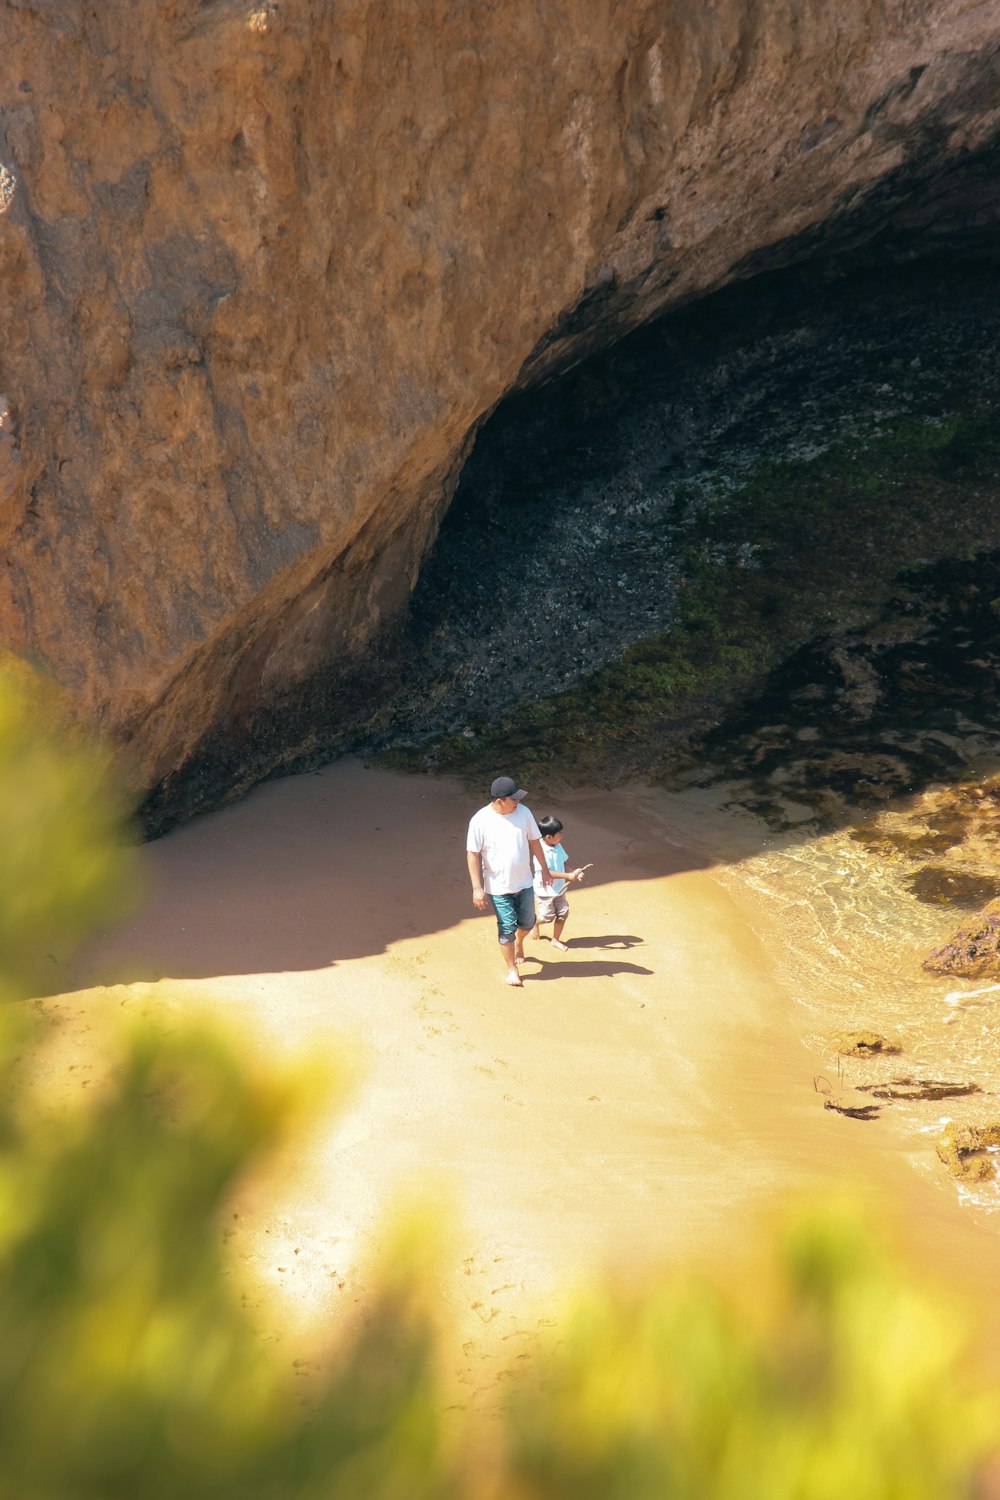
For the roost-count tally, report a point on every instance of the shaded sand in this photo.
(645, 1096)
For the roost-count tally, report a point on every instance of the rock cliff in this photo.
(267, 266)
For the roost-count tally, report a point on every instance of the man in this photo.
(503, 836)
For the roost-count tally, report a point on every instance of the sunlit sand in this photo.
(646, 1096)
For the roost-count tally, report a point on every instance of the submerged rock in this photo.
(865, 1044)
(852, 1111)
(974, 951)
(937, 885)
(919, 1088)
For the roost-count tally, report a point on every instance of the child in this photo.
(551, 905)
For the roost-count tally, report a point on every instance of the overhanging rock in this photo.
(266, 266)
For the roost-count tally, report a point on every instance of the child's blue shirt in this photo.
(557, 859)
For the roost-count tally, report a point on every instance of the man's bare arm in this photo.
(535, 845)
(474, 862)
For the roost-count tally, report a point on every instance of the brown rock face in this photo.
(266, 265)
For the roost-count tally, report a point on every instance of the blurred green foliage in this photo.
(817, 1375)
(127, 1364)
(128, 1367)
(64, 832)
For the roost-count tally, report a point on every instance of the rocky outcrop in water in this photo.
(266, 266)
(969, 1151)
(974, 951)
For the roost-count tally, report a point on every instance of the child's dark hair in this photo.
(548, 824)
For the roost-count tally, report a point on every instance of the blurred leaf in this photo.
(64, 833)
(822, 1375)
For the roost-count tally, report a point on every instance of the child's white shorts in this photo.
(550, 908)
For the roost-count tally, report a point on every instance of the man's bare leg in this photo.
(507, 949)
(522, 933)
(557, 934)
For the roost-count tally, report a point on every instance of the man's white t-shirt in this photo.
(502, 840)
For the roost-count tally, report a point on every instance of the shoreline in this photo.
(646, 1098)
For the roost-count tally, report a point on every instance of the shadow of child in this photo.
(611, 940)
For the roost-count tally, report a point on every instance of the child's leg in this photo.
(560, 923)
(544, 914)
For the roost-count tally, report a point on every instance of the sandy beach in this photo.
(645, 1097)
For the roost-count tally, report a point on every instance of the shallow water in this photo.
(853, 937)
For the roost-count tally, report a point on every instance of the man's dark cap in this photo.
(506, 786)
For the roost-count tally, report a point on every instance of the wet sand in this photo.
(645, 1097)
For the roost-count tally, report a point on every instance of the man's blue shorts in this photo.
(514, 909)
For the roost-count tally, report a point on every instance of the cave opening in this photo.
(779, 503)
(776, 504)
